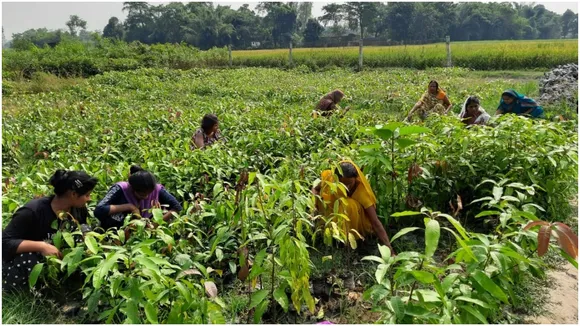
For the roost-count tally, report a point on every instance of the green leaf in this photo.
(148, 263)
(398, 307)
(34, 274)
(151, 313)
(375, 259)
(423, 277)
(381, 272)
(385, 252)
(476, 301)
(70, 241)
(474, 313)
(102, 270)
(463, 245)
(281, 297)
(403, 232)
(497, 192)
(257, 297)
(384, 134)
(448, 281)
(214, 312)
(487, 213)
(406, 213)
(57, 240)
(376, 293)
(157, 215)
(260, 257)
(408, 130)
(251, 177)
(457, 226)
(432, 233)
(352, 240)
(404, 142)
(219, 254)
(131, 310)
(486, 283)
(259, 312)
(92, 244)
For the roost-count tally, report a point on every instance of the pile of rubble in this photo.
(560, 85)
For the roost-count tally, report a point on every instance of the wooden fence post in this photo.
(230, 54)
(290, 54)
(360, 54)
(448, 42)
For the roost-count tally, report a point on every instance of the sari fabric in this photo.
(329, 101)
(432, 103)
(520, 105)
(352, 206)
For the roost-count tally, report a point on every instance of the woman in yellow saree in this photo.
(358, 203)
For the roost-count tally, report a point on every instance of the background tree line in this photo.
(274, 24)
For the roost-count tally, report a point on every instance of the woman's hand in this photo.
(50, 250)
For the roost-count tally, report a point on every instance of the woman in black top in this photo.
(138, 196)
(28, 235)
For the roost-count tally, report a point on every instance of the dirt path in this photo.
(562, 305)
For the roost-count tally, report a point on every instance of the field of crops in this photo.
(74, 59)
(457, 226)
(493, 55)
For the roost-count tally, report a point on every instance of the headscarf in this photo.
(329, 176)
(520, 104)
(329, 99)
(483, 116)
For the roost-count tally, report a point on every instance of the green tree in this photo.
(312, 31)
(74, 23)
(569, 24)
(280, 20)
(398, 20)
(360, 15)
(113, 29)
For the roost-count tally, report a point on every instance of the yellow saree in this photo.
(353, 207)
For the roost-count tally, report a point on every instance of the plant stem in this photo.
(415, 283)
(393, 174)
(272, 281)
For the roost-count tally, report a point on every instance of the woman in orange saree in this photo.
(434, 100)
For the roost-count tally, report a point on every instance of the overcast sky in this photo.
(20, 16)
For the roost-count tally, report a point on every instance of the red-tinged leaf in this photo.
(535, 223)
(567, 240)
(543, 239)
(568, 230)
(414, 171)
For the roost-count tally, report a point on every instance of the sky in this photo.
(20, 16)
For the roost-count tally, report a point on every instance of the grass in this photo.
(23, 307)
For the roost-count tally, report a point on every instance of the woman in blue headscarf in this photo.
(513, 102)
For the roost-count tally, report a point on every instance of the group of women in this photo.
(27, 237)
(435, 101)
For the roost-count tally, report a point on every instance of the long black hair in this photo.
(77, 181)
(209, 120)
(141, 180)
